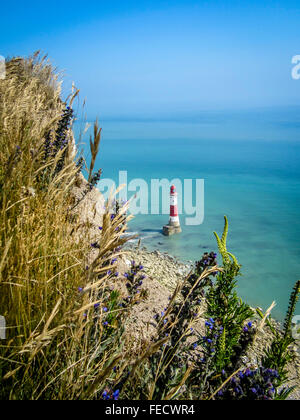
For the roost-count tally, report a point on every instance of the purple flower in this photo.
(105, 309)
(80, 289)
(116, 394)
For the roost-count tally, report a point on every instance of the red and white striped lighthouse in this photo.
(174, 219)
(174, 224)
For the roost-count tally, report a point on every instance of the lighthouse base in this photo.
(169, 230)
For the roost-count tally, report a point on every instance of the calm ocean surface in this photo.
(251, 167)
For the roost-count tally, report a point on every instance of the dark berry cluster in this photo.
(134, 282)
(251, 384)
(95, 179)
(110, 395)
(58, 140)
(207, 260)
(79, 164)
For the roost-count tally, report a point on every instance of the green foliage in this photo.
(291, 309)
(278, 355)
(222, 245)
(226, 308)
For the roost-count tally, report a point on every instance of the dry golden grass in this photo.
(54, 347)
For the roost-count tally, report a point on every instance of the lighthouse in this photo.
(174, 224)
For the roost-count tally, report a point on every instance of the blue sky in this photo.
(141, 58)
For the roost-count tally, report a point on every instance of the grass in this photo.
(53, 344)
(67, 336)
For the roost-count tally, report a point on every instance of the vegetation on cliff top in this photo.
(66, 319)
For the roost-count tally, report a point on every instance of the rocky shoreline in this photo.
(162, 265)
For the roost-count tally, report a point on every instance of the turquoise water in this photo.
(251, 174)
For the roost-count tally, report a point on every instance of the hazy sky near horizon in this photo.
(150, 58)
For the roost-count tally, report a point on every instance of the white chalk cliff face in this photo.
(90, 204)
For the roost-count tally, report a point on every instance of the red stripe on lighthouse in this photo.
(173, 211)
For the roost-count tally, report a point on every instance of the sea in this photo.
(250, 164)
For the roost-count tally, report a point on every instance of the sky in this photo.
(135, 59)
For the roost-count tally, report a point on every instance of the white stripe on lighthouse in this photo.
(173, 200)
